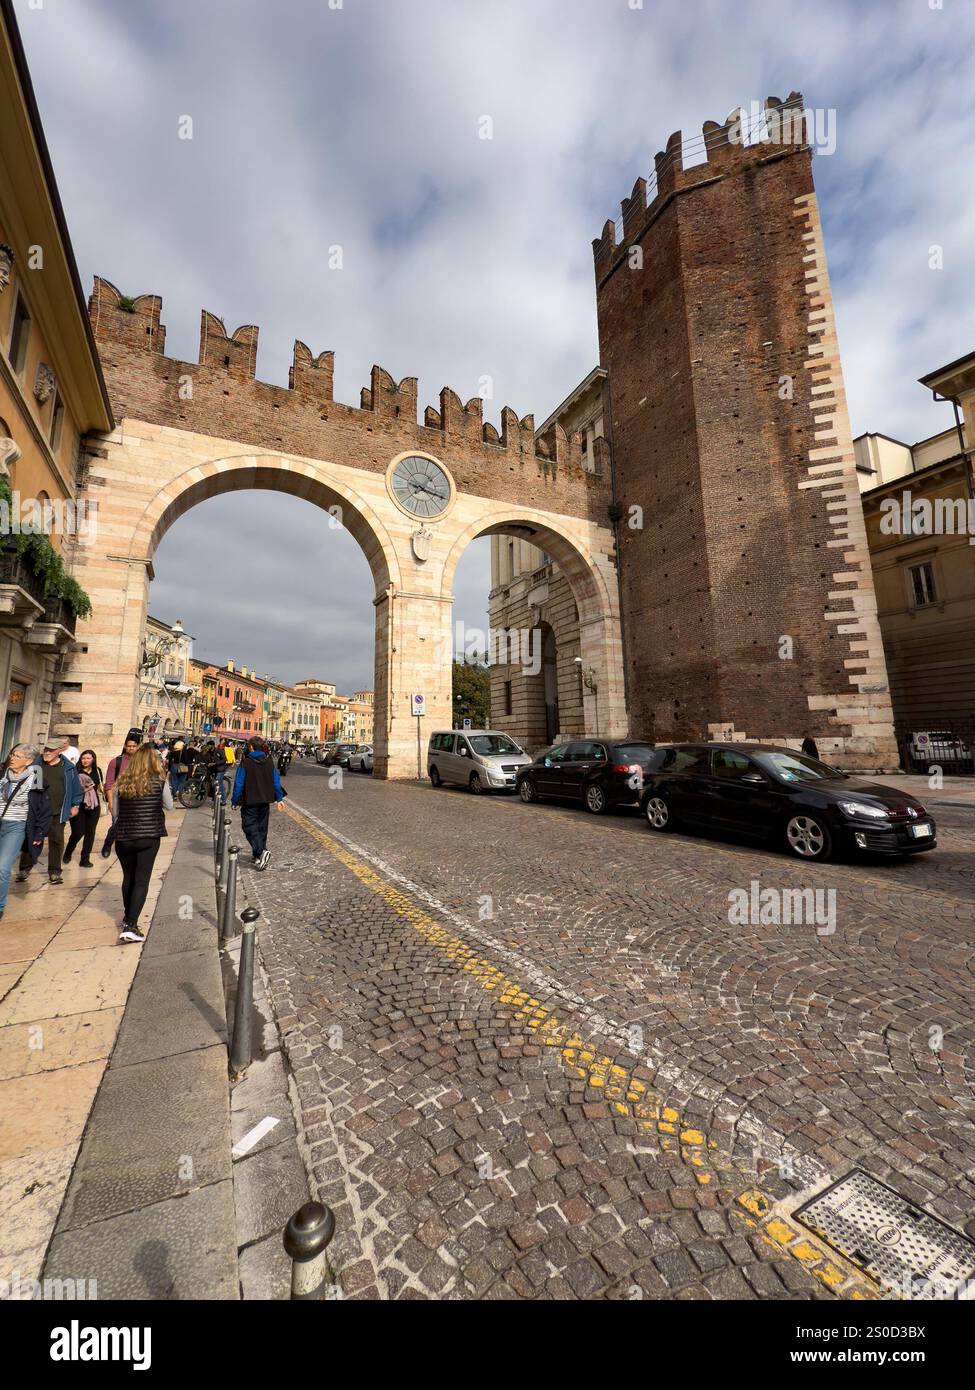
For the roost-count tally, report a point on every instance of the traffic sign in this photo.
(208, 728)
(419, 705)
(467, 723)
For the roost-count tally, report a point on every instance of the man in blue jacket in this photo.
(64, 788)
(256, 785)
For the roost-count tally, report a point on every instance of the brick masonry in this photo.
(748, 599)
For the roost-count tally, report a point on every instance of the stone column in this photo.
(413, 656)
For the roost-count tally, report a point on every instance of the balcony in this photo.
(55, 628)
(22, 600)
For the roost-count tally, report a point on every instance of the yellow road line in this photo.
(628, 1096)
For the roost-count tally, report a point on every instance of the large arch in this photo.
(117, 570)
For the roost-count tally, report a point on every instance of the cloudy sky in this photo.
(358, 122)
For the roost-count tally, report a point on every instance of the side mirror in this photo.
(754, 779)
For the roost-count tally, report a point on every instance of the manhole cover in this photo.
(889, 1238)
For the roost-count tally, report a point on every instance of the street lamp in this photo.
(589, 681)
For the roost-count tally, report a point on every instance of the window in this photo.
(694, 760)
(731, 765)
(507, 697)
(57, 422)
(19, 334)
(922, 585)
(580, 753)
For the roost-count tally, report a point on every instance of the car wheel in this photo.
(595, 799)
(808, 838)
(435, 778)
(526, 790)
(475, 785)
(658, 813)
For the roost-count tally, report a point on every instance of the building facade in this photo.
(919, 509)
(165, 684)
(51, 393)
(275, 713)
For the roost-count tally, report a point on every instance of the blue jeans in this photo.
(12, 834)
(177, 780)
(218, 781)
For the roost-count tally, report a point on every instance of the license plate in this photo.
(920, 832)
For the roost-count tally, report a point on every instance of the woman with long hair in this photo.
(25, 811)
(85, 823)
(142, 796)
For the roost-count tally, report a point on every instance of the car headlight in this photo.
(860, 808)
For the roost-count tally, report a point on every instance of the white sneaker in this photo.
(130, 934)
(264, 860)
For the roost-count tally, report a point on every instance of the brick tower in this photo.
(748, 598)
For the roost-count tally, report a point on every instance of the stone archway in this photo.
(117, 567)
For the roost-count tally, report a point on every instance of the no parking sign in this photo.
(419, 705)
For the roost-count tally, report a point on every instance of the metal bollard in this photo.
(228, 920)
(306, 1239)
(223, 850)
(242, 1045)
(219, 849)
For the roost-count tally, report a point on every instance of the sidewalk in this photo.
(956, 791)
(149, 1210)
(182, 1183)
(64, 982)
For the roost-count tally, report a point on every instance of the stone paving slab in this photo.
(177, 1008)
(158, 1129)
(174, 1249)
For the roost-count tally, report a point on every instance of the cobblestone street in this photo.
(535, 1058)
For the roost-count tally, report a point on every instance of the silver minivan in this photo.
(479, 759)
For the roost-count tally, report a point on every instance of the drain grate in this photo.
(894, 1241)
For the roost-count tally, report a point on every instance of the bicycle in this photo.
(198, 788)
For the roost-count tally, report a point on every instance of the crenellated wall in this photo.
(219, 395)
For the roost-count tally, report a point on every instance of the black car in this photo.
(811, 809)
(340, 755)
(600, 772)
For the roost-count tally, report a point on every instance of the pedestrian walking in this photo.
(85, 823)
(142, 795)
(64, 788)
(809, 747)
(25, 812)
(216, 766)
(179, 765)
(256, 786)
(115, 769)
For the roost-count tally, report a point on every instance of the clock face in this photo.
(421, 486)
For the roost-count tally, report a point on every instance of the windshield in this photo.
(796, 767)
(488, 744)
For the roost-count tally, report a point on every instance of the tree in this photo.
(472, 694)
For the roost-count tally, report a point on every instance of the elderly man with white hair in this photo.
(25, 812)
(65, 790)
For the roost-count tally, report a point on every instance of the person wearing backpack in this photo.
(256, 785)
(25, 812)
(115, 769)
(141, 797)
